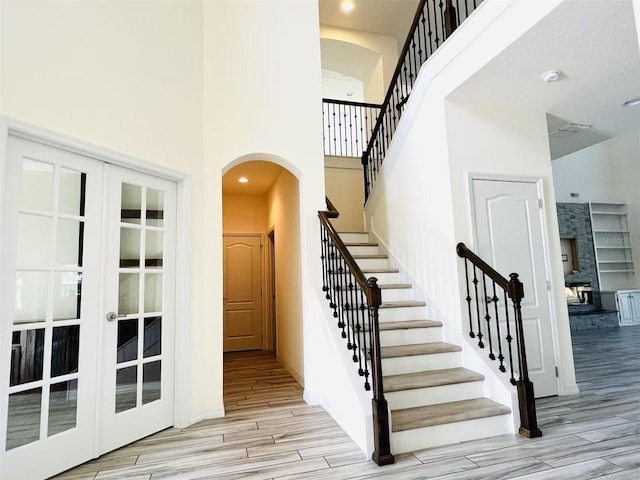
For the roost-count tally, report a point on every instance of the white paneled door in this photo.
(509, 236)
(87, 309)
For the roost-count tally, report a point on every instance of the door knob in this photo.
(111, 316)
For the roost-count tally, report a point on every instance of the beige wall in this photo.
(284, 218)
(244, 214)
(345, 189)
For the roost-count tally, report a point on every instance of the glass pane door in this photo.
(140, 302)
(49, 310)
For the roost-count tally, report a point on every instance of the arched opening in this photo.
(261, 265)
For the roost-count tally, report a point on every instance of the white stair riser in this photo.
(368, 250)
(402, 313)
(410, 336)
(427, 437)
(418, 397)
(420, 363)
(385, 277)
(365, 263)
(354, 237)
(397, 294)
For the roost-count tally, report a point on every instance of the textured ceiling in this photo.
(594, 43)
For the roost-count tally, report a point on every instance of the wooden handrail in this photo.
(367, 339)
(515, 290)
(394, 78)
(369, 288)
(353, 104)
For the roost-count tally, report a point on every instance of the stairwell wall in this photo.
(420, 205)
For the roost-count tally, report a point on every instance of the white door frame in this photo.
(183, 330)
(539, 183)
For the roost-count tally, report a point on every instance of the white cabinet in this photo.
(612, 246)
(628, 302)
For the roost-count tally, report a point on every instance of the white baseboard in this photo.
(287, 366)
(214, 413)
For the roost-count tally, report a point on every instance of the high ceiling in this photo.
(594, 43)
(386, 17)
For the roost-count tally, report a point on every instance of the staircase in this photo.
(433, 399)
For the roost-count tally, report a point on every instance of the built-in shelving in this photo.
(612, 246)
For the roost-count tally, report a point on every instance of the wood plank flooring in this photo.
(271, 433)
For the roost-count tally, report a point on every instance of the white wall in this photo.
(127, 76)
(606, 172)
(377, 79)
(438, 144)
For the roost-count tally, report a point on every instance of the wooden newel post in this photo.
(381, 431)
(526, 397)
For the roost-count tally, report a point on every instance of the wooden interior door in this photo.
(242, 293)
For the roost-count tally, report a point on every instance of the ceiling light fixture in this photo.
(347, 6)
(551, 76)
(631, 102)
(243, 180)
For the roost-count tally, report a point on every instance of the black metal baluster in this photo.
(487, 315)
(323, 257)
(345, 126)
(498, 337)
(360, 329)
(364, 345)
(478, 317)
(340, 295)
(509, 339)
(440, 17)
(333, 122)
(334, 281)
(468, 299)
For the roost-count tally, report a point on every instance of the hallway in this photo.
(271, 433)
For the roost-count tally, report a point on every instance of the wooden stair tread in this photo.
(375, 255)
(360, 244)
(433, 378)
(353, 232)
(442, 413)
(380, 270)
(409, 324)
(393, 286)
(402, 303)
(418, 349)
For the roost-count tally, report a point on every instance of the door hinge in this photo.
(548, 285)
(540, 203)
(557, 374)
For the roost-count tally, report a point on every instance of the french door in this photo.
(86, 311)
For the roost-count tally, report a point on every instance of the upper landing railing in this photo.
(434, 22)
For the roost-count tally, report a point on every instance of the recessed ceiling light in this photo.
(347, 6)
(243, 180)
(631, 102)
(349, 94)
(551, 76)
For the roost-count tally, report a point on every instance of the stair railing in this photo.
(434, 22)
(487, 293)
(347, 126)
(355, 300)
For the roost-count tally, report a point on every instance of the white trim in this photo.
(207, 415)
(184, 334)
(67, 143)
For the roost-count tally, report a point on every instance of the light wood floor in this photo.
(270, 433)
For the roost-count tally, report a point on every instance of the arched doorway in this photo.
(261, 262)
